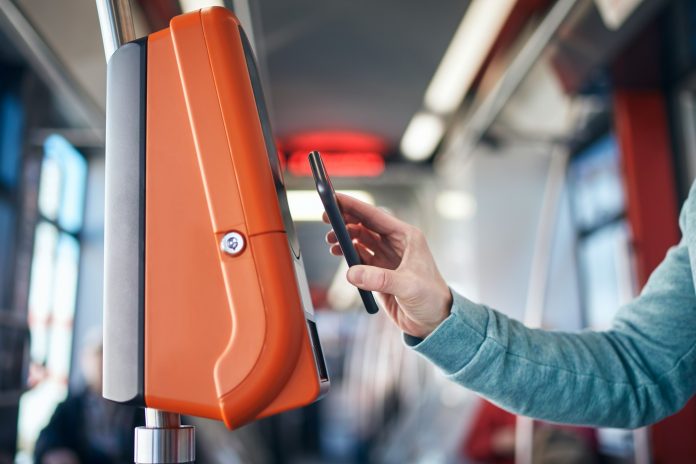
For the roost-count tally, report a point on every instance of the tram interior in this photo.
(509, 131)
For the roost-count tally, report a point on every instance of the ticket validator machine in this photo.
(206, 305)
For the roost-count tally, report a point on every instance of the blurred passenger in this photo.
(491, 440)
(86, 428)
(639, 372)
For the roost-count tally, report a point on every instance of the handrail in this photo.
(116, 24)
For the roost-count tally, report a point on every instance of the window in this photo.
(595, 180)
(13, 331)
(598, 206)
(11, 141)
(11, 121)
(53, 283)
(603, 251)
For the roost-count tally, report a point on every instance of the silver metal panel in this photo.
(124, 226)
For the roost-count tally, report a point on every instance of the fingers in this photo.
(336, 250)
(380, 251)
(374, 218)
(355, 211)
(347, 218)
(384, 252)
(365, 236)
(367, 256)
(331, 237)
(381, 280)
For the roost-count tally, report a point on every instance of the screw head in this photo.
(232, 243)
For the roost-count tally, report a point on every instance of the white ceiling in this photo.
(352, 64)
(71, 28)
(337, 64)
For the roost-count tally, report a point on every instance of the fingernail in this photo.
(355, 275)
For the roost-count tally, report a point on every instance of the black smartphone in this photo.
(333, 210)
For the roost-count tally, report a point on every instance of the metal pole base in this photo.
(164, 440)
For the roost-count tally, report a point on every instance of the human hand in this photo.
(397, 264)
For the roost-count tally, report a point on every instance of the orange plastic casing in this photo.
(226, 337)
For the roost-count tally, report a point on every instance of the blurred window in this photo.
(595, 179)
(53, 283)
(62, 188)
(11, 121)
(687, 119)
(11, 133)
(603, 251)
(604, 262)
(598, 205)
(13, 333)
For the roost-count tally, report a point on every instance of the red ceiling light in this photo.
(336, 141)
(345, 154)
(339, 164)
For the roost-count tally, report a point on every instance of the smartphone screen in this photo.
(333, 211)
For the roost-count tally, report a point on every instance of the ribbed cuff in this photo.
(457, 339)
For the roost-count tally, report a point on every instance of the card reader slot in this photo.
(318, 353)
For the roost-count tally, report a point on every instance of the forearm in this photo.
(593, 378)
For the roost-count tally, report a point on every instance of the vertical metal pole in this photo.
(116, 23)
(163, 440)
(538, 281)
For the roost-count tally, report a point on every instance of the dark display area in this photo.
(270, 147)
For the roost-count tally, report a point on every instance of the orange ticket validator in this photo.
(207, 308)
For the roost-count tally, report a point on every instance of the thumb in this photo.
(377, 279)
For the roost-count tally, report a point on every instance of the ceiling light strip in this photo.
(486, 113)
(471, 44)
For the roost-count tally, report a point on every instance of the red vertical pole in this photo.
(641, 126)
(640, 121)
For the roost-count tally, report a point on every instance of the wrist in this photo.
(445, 307)
(442, 312)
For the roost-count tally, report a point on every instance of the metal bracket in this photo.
(164, 440)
